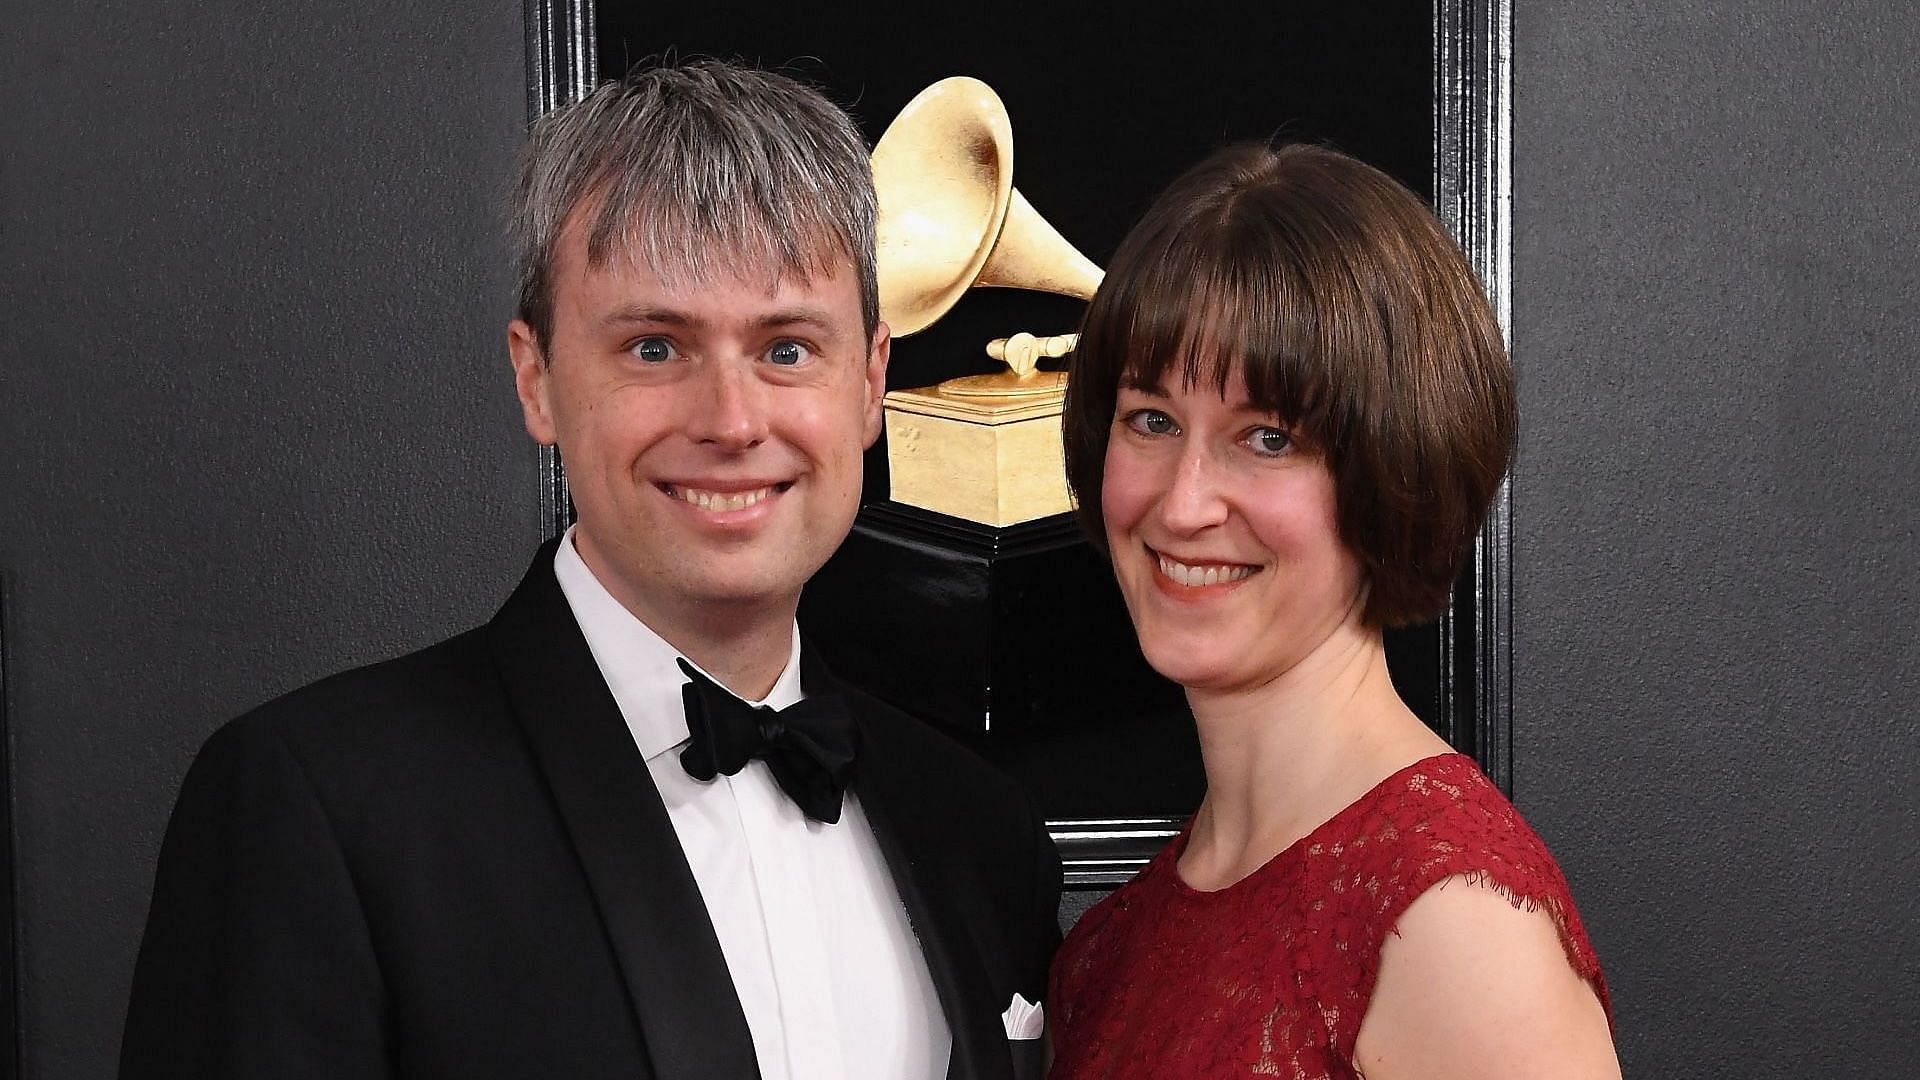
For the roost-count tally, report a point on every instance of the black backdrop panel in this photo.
(1108, 106)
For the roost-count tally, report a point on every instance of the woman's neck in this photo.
(1283, 756)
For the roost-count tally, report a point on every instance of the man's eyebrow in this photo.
(642, 313)
(801, 315)
(652, 315)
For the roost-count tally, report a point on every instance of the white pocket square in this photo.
(1024, 1019)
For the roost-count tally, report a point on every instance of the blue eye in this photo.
(1151, 422)
(1270, 442)
(787, 353)
(653, 350)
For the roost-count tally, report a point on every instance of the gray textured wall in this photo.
(255, 418)
(1715, 504)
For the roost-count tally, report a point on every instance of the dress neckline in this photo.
(1289, 854)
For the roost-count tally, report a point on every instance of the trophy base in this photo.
(1015, 640)
(993, 459)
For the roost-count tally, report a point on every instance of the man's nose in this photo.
(731, 410)
(1194, 499)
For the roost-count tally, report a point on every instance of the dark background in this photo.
(255, 425)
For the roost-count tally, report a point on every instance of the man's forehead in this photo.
(672, 248)
(688, 263)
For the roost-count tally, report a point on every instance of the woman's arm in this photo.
(1473, 986)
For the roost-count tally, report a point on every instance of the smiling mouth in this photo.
(723, 501)
(1200, 575)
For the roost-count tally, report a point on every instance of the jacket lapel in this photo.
(885, 783)
(690, 1017)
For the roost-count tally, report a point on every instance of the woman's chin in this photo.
(1195, 669)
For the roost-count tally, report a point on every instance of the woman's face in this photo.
(1223, 536)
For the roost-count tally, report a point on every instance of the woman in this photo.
(1289, 412)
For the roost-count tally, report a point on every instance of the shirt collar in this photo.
(638, 664)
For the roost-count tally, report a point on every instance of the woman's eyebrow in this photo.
(1139, 385)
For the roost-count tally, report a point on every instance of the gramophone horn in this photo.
(950, 218)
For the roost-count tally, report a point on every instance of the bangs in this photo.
(695, 171)
(1218, 310)
(689, 242)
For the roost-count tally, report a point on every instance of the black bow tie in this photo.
(810, 745)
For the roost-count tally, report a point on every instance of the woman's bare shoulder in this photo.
(1474, 984)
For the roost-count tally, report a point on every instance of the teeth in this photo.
(1194, 577)
(721, 501)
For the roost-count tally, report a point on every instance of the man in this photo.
(562, 844)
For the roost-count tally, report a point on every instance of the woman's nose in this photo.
(1194, 499)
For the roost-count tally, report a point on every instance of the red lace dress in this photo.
(1272, 975)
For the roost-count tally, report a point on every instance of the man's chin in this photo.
(746, 600)
(745, 596)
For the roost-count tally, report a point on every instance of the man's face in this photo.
(712, 431)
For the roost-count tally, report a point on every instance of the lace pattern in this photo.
(1272, 975)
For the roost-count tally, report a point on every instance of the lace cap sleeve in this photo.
(1442, 820)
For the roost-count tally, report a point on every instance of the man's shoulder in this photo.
(436, 676)
(446, 693)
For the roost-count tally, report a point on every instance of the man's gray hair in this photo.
(695, 168)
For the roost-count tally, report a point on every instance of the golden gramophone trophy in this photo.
(984, 448)
(969, 597)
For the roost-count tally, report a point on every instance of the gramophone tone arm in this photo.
(1022, 352)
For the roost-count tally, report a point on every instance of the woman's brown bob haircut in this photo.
(1351, 315)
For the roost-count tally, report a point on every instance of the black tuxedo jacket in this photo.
(455, 864)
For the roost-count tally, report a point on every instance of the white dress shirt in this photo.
(829, 974)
